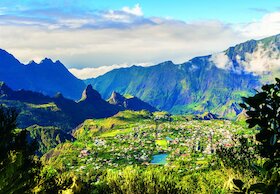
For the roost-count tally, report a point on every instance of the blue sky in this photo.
(91, 37)
(225, 10)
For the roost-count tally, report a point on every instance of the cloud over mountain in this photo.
(93, 38)
(263, 59)
(86, 73)
(267, 26)
(221, 60)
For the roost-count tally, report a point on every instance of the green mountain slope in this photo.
(193, 87)
(37, 109)
(211, 83)
(48, 137)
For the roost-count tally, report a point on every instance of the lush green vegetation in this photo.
(18, 167)
(114, 155)
(47, 137)
(44, 114)
(263, 111)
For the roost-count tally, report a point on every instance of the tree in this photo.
(263, 110)
(18, 169)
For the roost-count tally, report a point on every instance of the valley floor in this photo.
(149, 150)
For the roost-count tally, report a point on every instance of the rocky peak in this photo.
(46, 61)
(90, 94)
(207, 116)
(166, 64)
(32, 62)
(116, 98)
(58, 95)
(4, 89)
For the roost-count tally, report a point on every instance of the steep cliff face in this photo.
(211, 83)
(94, 105)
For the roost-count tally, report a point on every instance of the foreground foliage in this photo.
(115, 155)
(263, 110)
(18, 169)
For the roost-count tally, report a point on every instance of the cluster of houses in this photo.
(180, 139)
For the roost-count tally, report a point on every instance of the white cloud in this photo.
(117, 16)
(86, 73)
(269, 25)
(86, 47)
(221, 60)
(55, 18)
(136, 10)
(118, 36)
(74, 23)
(263, 59)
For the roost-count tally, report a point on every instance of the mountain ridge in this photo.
(37, 109)
(211, 83)
(47, 77)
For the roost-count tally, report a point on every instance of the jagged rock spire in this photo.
(58, 95)
(116, 98)
(90, 94)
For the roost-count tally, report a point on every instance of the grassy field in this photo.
(161, 142)
(113, 133)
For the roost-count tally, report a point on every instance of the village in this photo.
(145, 143)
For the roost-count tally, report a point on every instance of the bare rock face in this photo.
(94, 106)
(89, 94)
(117, 99)
(132, 103)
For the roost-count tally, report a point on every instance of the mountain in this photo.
(48, 137)
(47, 77)
(92, 104)
(212, 83)
(206, 116)
(242, 117)
(36, 108)
(40, 110)
(193, 87)
(130, 102)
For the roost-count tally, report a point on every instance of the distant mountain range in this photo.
(212, 83)
(38, 109)
(47, 77)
